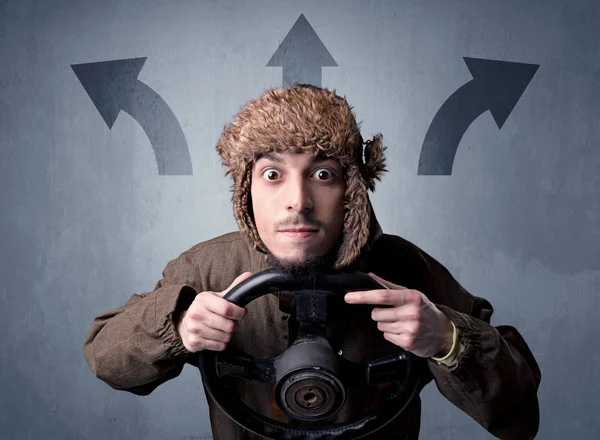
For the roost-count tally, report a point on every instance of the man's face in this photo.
(298, 203)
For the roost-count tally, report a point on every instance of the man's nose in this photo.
(299, 195)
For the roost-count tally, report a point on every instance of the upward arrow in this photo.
(496, 86)
(114, 86)
(301, 54)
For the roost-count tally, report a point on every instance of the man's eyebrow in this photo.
(321, 157)
(274, 157)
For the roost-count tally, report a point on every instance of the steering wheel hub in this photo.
(311, 395)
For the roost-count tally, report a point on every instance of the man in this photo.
(300, 194)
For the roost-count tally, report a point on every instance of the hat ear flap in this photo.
(356, 219)
(374, 161)
(242, 207)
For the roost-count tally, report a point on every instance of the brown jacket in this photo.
(136, 347)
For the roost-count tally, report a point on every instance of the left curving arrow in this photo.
(114, 86)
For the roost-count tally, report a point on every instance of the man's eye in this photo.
(323, 174)
(270, 174)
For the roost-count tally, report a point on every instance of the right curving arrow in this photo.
(496, 86)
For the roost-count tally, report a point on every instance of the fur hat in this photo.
(303, 119)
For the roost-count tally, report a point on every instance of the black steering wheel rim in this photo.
(227, 400)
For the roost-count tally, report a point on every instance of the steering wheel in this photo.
(310, 378)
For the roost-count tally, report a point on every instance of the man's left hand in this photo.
(411, 321)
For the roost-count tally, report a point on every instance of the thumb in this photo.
(387, 283)
(237, 281)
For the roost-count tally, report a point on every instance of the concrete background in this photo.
(86, 220)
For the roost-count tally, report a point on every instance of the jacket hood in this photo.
(304, 119)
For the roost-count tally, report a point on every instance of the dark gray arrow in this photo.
(301, 54)
(113, 86)
(496, 86)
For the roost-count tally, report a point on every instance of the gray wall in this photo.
(86, 219)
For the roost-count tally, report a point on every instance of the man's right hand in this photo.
(210, 320)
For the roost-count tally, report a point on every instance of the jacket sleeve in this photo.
(136, 347)
(497, 377)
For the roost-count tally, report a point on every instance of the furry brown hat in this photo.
(303, 119)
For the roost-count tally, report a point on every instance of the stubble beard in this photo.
(307, 267)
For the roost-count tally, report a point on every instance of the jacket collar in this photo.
(375, 232)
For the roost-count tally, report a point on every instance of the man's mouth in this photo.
(299, 231)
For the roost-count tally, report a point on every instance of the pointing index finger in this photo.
(378, 296)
